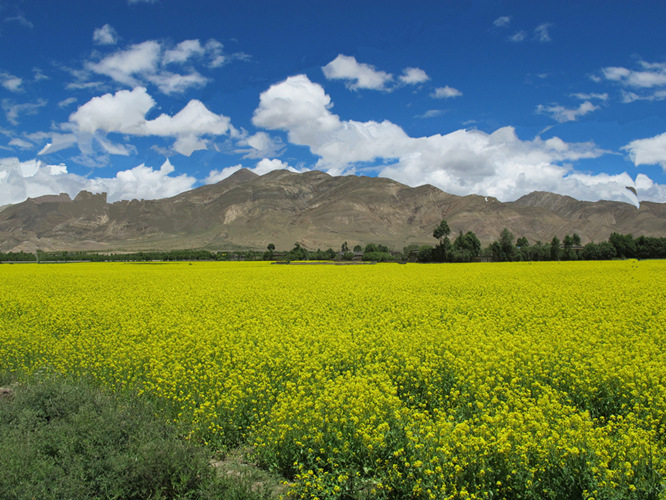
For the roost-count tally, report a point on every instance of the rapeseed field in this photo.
(517, 380)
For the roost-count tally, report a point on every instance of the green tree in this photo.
(503, 250)
(624, 244)
(576, 239)
(555, 248)
(297, 253)
(271, 252)
(466, 247)
(441, 231)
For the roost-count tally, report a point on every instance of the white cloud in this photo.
(588, 97)
(358, 75)
(561, 114)
(431, 113)
(649, 76)
(651, 151)
(541, 33)
(126, 66)
(519, 36)
(183, 51)
(57, 142)
(259, 145)
(445, 93)
(105, 35)
(21, 19)
(21, 143)
(67, 102)
(142, 182)
(648, 83)
(11, 82)
(14, 111)
(145, 63)
(413, 76)
(22, 180)
(125, 112)
(174, 83)
(465, 161)
(215, 52)
(502, 21)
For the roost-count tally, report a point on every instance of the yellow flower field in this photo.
(519, 380)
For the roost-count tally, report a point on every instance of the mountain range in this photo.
(248, 211)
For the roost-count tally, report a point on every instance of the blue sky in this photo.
(146, 99)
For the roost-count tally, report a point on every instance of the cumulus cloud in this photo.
(496, 164)
(143, 182)
(651, 151)
(30, 179)
(445, 93)
(357, 75)
(147, 62)
(259, 145)
(183, 51)
(125, 66)
(125, 112)
(561, 114)
(105, 35)
(649, 75)
(648, 82)
(11, 82)
(22, 180)
(413, 76)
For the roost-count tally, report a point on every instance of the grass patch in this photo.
(65, 439)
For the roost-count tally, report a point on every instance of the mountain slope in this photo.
(318, 210)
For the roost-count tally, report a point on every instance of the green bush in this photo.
(60, 439)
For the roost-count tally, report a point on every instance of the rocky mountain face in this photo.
(313, 208)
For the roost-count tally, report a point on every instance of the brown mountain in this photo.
(319, 211)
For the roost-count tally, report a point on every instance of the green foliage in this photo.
(624, 244)
(60, 439)
(425, 254)
(297, 253)
(348, 256)
(555, 248)
(599, 251)
(17, 257)
(441, 231)
(466, 247)
(503, 250)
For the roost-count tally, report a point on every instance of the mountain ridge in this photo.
(248, 211)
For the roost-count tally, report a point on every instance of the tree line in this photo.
(465, 247)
